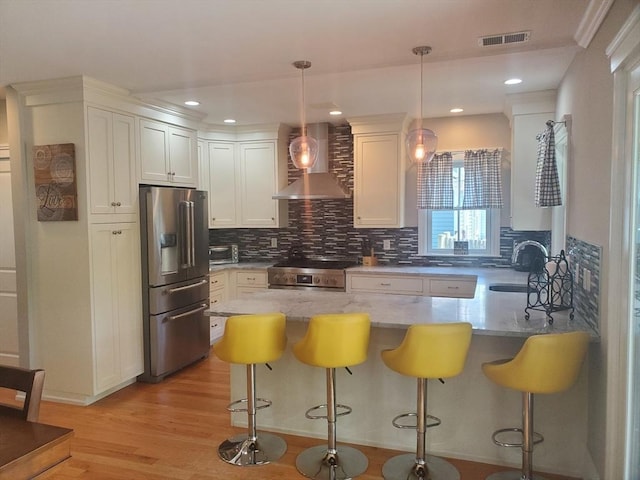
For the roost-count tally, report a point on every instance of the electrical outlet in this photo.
(577, 274)
(274, 243)
(386, 244)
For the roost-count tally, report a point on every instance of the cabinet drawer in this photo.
(403, 285)
(216, 296)
(252, 278)
(217, 328)
(458, 288)
(217, 281)
(243, 291)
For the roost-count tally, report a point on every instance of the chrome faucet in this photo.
(521, 245)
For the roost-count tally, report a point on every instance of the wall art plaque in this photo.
(55, 179)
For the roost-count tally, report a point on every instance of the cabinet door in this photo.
(183, 157)
(203, 166)
(258, 184)
(125, 186)
(223, 181)
(128, 278)
(377, 181)
(112, 176)
(154, 152)
(100, 140)
(116, 307)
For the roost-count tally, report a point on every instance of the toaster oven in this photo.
(219, 254)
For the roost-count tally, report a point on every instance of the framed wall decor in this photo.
(55, 181)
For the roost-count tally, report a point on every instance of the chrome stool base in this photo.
(241, 451)
(404, 467)
(316, 463)
(512, 475)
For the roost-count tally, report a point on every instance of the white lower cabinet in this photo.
(218, 292)
(117, 304)
(245, 282)
(450, 287)
(403, 285)
(431, 285)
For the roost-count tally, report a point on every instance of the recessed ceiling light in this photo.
(456, 110)
(335, 112)
(229, 120)
(513, 81)
(192, 103)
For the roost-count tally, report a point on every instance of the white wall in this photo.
(586, 93)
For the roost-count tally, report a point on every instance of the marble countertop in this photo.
(490, 313)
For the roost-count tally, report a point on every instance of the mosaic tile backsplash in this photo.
(324, 228)
(581, 256)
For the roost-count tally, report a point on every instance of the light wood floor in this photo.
(171, 431)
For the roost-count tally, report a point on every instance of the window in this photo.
(438, 229)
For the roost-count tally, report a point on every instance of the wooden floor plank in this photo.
(171, 430)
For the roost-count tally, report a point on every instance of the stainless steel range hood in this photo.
(317, 182)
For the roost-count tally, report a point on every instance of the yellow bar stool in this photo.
(248, 340)
(545, 364)
(333, 341)
(437, 350)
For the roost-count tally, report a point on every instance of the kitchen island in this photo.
(470, 406)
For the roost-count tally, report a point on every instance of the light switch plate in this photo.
(386, 244)
(274, 243)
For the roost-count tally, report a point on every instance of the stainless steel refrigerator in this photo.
(175, 278)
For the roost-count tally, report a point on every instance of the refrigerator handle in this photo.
(191, 234)
(187, 228)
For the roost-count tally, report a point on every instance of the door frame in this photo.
(624, 56)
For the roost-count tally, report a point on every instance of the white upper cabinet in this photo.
(224, 173)
(258, 174)
(245, 170)
(379, 172)
(112, 164)
(168, 154)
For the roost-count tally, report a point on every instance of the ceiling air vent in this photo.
(504, 39)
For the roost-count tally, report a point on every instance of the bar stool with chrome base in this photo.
(428, 351)
(333, 341)
(545, 364)
(252, 339)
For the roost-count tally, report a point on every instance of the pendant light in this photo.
(303, 149)
(421, 142)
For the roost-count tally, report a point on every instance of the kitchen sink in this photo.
(509, 287)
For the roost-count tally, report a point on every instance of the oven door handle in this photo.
(186, 314)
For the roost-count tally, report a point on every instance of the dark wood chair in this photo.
(31, 382)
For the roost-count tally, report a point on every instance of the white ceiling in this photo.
(235, 56)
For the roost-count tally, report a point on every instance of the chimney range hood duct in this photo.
(316, 182)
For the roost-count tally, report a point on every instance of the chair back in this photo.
(546, 363)
(31, 382)
(250, 339)
(436, 350)
(335, 340)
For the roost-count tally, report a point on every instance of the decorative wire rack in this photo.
(550, 287)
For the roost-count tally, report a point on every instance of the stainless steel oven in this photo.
(309, 274)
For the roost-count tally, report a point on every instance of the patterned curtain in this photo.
(435, 188)
(547, 181)
(482, 180)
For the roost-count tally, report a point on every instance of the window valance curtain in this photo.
(435, 186)
(482, 180)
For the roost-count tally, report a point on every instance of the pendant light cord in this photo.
(304, 127)
(421, 88)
